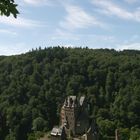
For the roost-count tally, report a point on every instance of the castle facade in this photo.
(74, 121)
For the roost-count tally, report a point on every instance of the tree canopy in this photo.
(34, 85)
(8, 7)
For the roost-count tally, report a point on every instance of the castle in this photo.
(74, 121)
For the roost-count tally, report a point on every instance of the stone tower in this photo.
(75, 121)
(69, 113)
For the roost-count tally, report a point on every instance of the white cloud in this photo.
(61, 34)
(112, 9)
(78, 18)
(135, 38)
(6, 31)
(91, 40)
(38, 2)
(20, 22)
(8, 49)
(34, 1)
(64, 35)
(109, 8)
(129, 46)
(131, 1)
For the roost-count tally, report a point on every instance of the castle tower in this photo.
(69, 113)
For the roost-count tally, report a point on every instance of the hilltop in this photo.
(33, 87)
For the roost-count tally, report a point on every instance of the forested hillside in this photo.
(33, 87)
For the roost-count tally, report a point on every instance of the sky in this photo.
(113, 24)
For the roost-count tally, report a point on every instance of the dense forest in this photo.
(33, 87)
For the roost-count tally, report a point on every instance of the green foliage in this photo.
(34, 85)
(8, 7)
(38, 124)
(135, 133)
(107, 127)
(124, 133)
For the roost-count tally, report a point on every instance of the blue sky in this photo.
(93, 23)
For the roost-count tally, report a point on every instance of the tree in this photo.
(8, 7)
(38, 124)
(135, 133)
